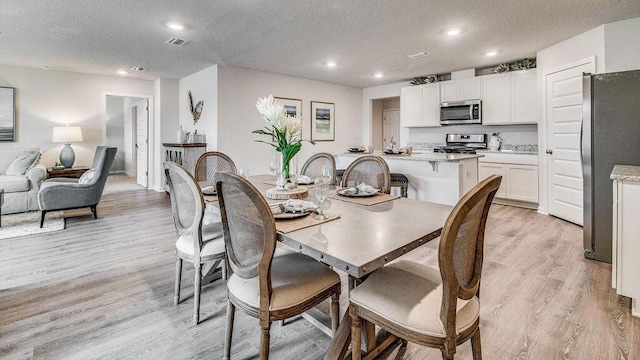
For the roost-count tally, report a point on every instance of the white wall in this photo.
(239, 89)
(203, 86)
(114, 132)
(47, 98)
(368, 96)
(622, 45)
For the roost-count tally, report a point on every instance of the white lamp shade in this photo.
(64, 134)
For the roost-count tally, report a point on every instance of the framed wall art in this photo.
(323, 121)
(7, 114)
(292, 106)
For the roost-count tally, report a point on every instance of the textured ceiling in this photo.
(291, 37)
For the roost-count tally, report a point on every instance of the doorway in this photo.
(390, 126)
(380, 107)
(563, 114)
(126, 126)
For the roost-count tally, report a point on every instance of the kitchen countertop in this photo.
(427, 156)
(625, 172)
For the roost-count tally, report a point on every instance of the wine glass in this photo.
(326, 172)
(274, 167)
(243, 171)
(321, 191)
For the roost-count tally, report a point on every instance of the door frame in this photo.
(153, 140)
(543, 128)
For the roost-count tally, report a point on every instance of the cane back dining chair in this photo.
(211, 162)
(197, 243)
(438, 309)
(267, 284)
(369, 169)
(313, 166)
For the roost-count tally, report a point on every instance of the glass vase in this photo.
(283, 173)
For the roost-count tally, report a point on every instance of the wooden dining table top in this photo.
(364, 238)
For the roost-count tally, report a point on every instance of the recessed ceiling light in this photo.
(491, 53)
(378, 75)
(419, 55)
(452, 32)
(331, 64)
(175, 26)
(122, 72)
(45, 67)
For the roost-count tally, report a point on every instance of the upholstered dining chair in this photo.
(267, 284)
(369, 169)
(313, 166)
(67, 193)
(438, 309)
(197, 243)
(211, 162)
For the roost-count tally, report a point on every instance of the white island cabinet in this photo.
(433, 177)
(625, 264)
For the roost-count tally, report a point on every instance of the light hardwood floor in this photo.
(103, 289)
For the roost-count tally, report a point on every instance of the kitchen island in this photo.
(434, 177)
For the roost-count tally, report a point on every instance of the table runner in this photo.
(287, 226)
(368, 201)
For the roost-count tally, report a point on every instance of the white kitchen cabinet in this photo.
(459, 90)
(625, 264)
(420, 106)
(519, 177)
(509, 98)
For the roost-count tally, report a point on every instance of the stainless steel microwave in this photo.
(461, 112)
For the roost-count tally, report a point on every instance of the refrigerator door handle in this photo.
(581, 146)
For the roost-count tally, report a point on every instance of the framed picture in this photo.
(323, 121)
(7, 114)
(292, 106)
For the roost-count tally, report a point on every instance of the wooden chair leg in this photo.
(475, 345)
(176, 298)
(335, 314)
(42, 213)
(231, 311)
(264, 341)
(94, 211)
(197, 282)
(356, 334)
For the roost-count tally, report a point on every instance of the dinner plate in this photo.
(356, 150)
(291, 215)
(343, 192)
(309, 182)
(392, 152)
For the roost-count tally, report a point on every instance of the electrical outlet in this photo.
(517, 135)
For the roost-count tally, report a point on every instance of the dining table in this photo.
(359, 239)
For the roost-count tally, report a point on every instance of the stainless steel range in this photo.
(463, 144)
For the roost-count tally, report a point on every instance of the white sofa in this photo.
(20, 191)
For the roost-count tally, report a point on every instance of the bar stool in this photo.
(401, 181)
(339, 174)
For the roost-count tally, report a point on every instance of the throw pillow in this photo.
(87, 176)
(22, 163)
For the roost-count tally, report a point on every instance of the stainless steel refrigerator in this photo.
(610, 135)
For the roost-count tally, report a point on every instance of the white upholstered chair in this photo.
(263, 282)
(438, 309)
(197, 243)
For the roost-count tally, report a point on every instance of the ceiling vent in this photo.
(176, 41)
(138, 68)
(419, 55)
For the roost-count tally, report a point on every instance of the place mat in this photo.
(287, 226)
(371, 200)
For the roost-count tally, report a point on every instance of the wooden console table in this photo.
(185, 155)
(74, 172)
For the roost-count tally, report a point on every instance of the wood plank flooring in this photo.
(102, 289)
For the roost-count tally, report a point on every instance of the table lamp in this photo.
(67, 135)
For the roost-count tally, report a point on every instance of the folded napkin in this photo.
(276, 208)
(360, 189)
(295, 205)
(209, 190)
(304, 179)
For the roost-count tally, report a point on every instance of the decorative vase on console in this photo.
(285, 130)
(495, 142)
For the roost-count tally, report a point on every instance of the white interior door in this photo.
(390, 126)
(141, 117)
(563, 102)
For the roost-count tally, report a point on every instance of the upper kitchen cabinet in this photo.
(460, 90)
(420, 106)
(510, 98)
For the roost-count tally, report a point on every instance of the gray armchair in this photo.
(64, 193)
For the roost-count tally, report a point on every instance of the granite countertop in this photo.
(504, 149)
(441, 157)
(625, 172)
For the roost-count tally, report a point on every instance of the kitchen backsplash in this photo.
(512, 135)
